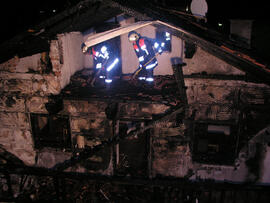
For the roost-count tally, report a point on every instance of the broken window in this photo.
(51, 131)
(132, 154)
(214, 143)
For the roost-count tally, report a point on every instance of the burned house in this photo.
(205, 117)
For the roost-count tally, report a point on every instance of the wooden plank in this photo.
(188, 185)
(104, 36)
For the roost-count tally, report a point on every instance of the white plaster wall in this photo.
(29, 62)
(88, 60)
(22, 65)
(130, 61)
(73, 58)
(164, 60)
(128, 56)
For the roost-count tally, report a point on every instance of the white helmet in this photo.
(133, 36)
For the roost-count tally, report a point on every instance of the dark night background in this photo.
(18, 16)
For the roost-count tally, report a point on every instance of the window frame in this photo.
(211, 157)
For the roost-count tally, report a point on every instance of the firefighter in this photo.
(146, 50)
(104, 62)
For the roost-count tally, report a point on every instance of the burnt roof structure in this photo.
(93, 13)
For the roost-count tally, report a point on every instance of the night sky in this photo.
(18, 16)
(24, 14)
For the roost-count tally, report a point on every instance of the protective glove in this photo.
(99, 65)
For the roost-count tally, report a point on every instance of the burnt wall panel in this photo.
(19, 142)
(89, 127)
(77, 107)
(213, 112)
(140, 110)
(12, 103)
(255, 95)
(15, 120)
(25, 87)
(171, 155)
(87, 119)
(95, 126)
(36, 104)
(222, 99)
(170, 158)
(16, 85)
(29, 84)
(206, 94)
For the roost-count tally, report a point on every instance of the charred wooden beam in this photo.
(115, 100)
(22, 182)
(245, 78)
(56, 186)
(177, 66)
(7, 176)
(160, 181)
(154, 123)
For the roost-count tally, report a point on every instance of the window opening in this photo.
(51, 131)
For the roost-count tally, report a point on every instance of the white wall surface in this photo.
(29, 62)
(88, 60)
(22, 65)
(73, 58)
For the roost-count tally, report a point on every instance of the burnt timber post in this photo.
(177, 66)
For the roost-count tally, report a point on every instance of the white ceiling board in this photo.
(104, 36)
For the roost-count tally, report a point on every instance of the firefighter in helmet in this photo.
(146, 50)
(104, 62)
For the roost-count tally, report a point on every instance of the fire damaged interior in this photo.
(198, 131)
